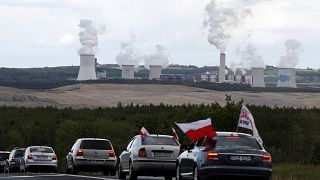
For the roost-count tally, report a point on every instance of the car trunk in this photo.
(240, 157)
(42, 156)
(95, 154)
(163, 152)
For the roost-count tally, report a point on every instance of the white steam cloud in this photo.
(250, 56)
(89, 36)
(291, 59)
(160, 57)
(221, 20)
(127, 54)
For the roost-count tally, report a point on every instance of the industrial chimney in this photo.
(155, 72)
(87, 69)
(287, 78)
(128, 71)
(258, 77)
(222, 75)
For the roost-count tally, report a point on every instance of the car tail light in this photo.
(112, 153)
(79, 152)
(12, 159)
(212, 156)
(266, 158)
(29, 156)
(54, 157)
(142, 152)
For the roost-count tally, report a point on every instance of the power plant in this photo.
(155, 72)
(258, 77)
(128, 71)
(287, 78)
(222, 73)
(87, 69)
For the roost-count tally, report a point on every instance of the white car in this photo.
(40, 158)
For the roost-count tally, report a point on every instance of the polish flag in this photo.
(198, 130)
(175, 135)
(143, 132)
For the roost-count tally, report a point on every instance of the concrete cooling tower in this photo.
(87, 69)
(155, 71)
(128, 71)
(287, 78)
(258, 77)
(222, 73)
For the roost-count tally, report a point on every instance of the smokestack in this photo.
(87, 69)
(258, 77)
(287, 78)
(128, 71)
(222, 75)
(155, 72)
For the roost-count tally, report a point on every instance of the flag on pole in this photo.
(175, 135)
(143, 132)
(198, 129)
(246, 121)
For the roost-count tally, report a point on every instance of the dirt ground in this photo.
(102, 95)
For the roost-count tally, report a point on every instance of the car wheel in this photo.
(67, 168)
(196, 173)
(73, 169)
(167, 177)
(113, 172)
(268, 178)
(178, 173)
(106, 172)
(132, 174)
(121, 175)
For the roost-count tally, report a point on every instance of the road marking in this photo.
(56, 175)
(89, 177)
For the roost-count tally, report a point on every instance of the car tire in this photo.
(132, 173)
(268, 178)
(73, 169)
(106, 172)
(196, 175)
(121, 175)
(178, 173)
(113, 172)
(167, 177)
(68, 171)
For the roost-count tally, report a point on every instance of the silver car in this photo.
(152, 155)
(41, 158)
(92, 154)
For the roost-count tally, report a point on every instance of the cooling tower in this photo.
(87, 69)
(287, 78)
(222, 75)
(128, 71)
(155, 71)
(258, 77)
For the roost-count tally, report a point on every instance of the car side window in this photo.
(130, 144)
(135, 142)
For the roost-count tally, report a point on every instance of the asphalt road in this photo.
(40, 176)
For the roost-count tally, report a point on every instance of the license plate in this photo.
(162, 154)
(240, 158)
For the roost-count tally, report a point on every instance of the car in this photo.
(41, 158)
(15, 162)
(92, 155)
(4, 156)
(227, 154)
(149, 155)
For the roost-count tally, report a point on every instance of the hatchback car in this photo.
(227, 154)
(4, 156)
(41, 158)
(151, 155)
(15, 162)
(92, 154)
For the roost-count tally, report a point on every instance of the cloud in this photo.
(67, 39)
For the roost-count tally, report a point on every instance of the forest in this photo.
(289, 134)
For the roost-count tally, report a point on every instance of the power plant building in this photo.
(155, 72)
(128, 71)
(87, 69)
(287, 78)
(258, 77)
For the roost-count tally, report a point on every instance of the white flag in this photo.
(246, 121)
(143, 132)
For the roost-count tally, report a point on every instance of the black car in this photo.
(4, 156)
(16, 160)
(227, 154)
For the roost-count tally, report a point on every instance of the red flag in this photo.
(198, 130)
(175, 135)
(143, 132)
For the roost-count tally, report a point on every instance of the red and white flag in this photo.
(175, 135)
(143, 132)
(246, 121)
(198, 129)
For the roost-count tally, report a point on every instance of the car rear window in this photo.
(157, 140)
(96, 144)
(41, 150)
(19, 153)
(4, 156)
(237, 142)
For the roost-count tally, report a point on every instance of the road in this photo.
(40, 176)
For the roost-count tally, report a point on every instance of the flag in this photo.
(143, 132)
(175, 135)
(198, 129)
(246, 121)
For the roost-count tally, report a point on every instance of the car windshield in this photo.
(158, 140)
(41, 150)
(4, 156)
(237, 142)
(96, 144)
(19, 153)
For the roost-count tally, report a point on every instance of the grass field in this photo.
(296, 172)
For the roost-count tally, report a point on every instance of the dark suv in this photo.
(4, 156)
(16, 160)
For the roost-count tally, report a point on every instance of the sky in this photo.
(45, 33)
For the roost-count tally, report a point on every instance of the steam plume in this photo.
(291, 58)
(160, 57)
(253, 60)
(127, 54)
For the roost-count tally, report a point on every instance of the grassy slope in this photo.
(296, 172)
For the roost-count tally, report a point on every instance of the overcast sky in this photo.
(39, 33)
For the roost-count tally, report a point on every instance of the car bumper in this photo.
(154, 167)
(49, 164)
(212, 171)
(95, 164)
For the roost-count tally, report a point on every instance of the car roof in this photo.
(221, 133)
(40, 147)
(5, 152)
(93, 139)
(157, 135)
